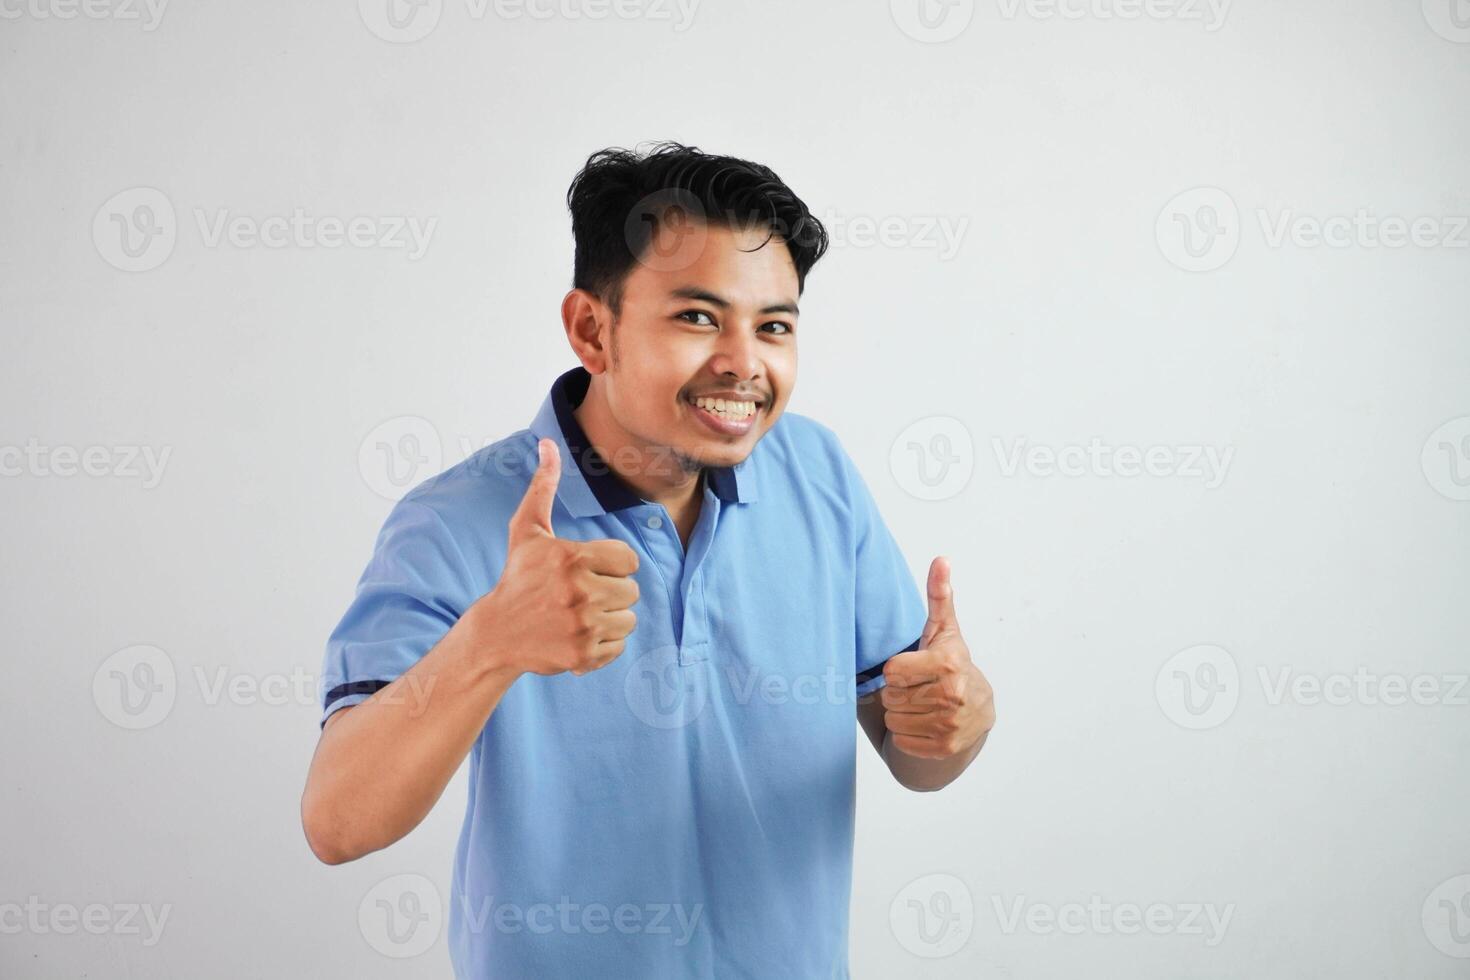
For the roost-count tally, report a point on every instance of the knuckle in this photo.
(630, 555)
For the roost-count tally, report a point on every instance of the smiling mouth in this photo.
(725, 409)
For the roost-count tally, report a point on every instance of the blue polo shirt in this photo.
(687, 810)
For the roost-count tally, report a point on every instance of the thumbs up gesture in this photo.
(936, 703)
(559, 605)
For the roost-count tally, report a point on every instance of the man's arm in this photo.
(381, 765)
(932, 717)
(560, 605)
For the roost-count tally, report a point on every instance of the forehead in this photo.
(733, 262)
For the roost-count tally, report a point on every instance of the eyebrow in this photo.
(704, 295)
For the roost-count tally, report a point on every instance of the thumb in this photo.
(533, 516)
(941, 601)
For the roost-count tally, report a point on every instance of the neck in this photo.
(655, 473)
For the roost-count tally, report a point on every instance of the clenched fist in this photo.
(559, 605)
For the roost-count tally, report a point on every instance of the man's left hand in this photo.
(937, 703)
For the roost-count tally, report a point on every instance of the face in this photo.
(708, 317)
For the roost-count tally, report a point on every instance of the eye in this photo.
(785, 327)
(696, 313)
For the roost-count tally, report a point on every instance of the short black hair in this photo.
(620, 194)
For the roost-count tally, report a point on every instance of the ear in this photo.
(588, 323)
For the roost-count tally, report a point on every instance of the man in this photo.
(648, 618)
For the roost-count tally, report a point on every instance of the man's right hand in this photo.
(559, 605)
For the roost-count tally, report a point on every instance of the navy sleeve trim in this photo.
(352, 687)
(873, 672)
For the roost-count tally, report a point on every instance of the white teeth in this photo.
(726, 409)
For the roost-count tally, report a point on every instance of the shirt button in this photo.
(655, 522)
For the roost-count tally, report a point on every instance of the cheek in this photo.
(783, 375)
(647, 377)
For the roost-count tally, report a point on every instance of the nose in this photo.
(737, 355)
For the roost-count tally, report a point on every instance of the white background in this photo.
(1334, 542)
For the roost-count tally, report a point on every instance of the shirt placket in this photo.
(682, 573)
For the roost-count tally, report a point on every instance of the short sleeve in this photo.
(408, 597)
(889, 610)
